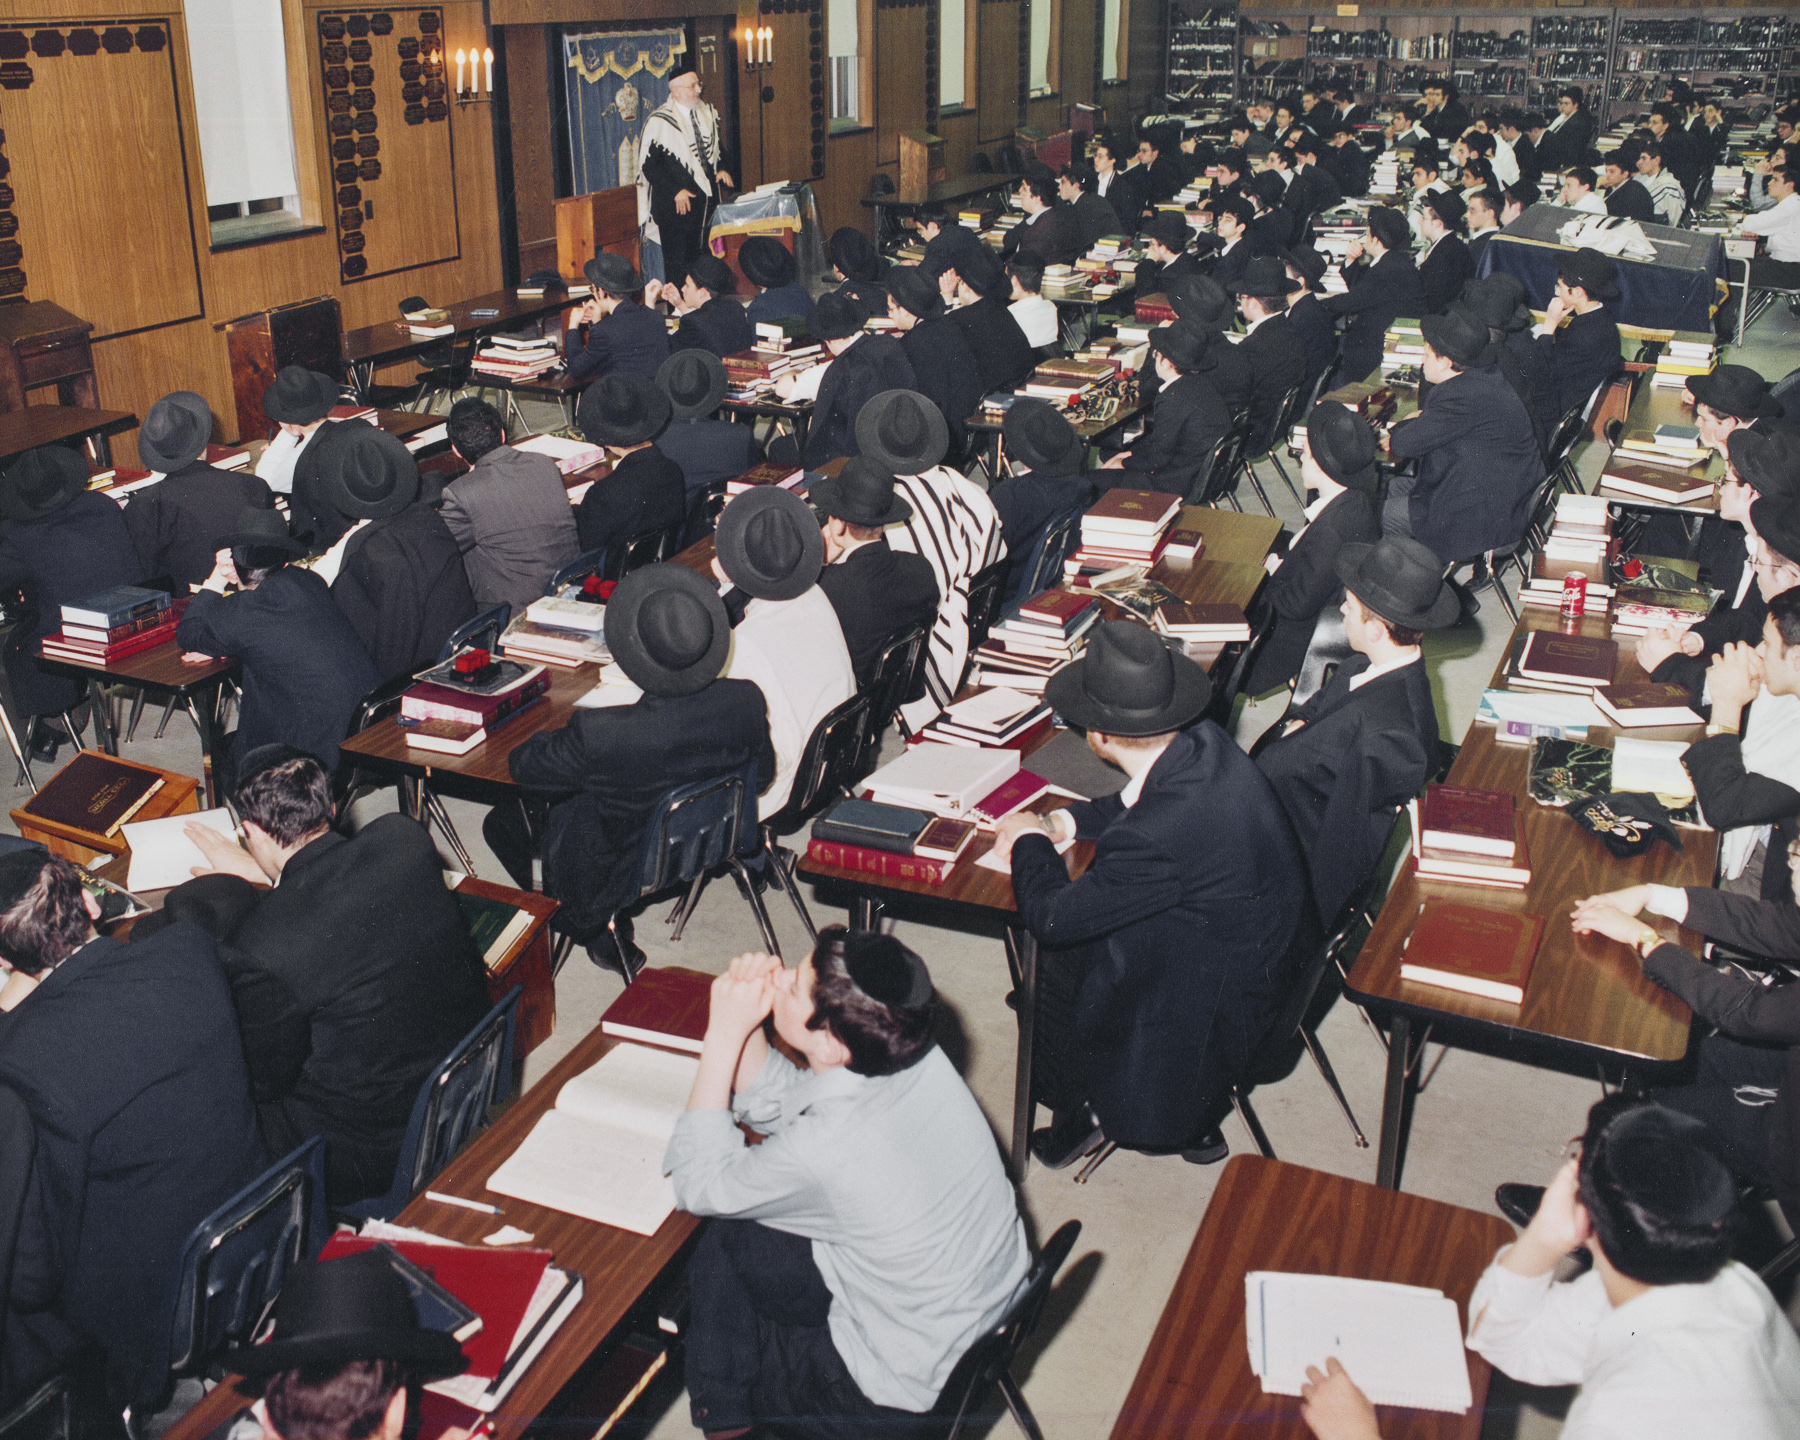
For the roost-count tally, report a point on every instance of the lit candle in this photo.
(487, 58)
(460, 57)
(768, 44)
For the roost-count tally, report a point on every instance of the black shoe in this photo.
(1518, 1203)
(1067, 1139)
(46, 741)
(614, 949)
(1210, 1149)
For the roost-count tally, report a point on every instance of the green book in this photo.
(493, 924)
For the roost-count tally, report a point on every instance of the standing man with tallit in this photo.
(680, 175)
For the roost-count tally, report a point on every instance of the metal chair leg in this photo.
(1015, 1402)
(1240, 1101)
(680, 918)
(1316, 1049)
(1095, 1161)
(74, 730)
(560, 952)
(435, 811)
(1257, 485)
(1281, 470)
(163, 724)
(12, 743)
(137, 714)
(748, 886)
(1506, 600)
(782, 860)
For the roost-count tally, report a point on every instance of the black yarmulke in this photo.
(885, 970)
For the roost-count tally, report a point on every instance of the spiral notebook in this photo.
(1402, 1344)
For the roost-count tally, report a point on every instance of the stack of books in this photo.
(1686, 354)
(1064, 282)
(1522, 716)
(113, 624)
(1154, 309)
(1545, 587)
(452, 714)
(767, 473)
(1200, 624)
(1135, 334)
(997, 718)
(900, 842)
(1124, 527)
(515, 357)
(354, 412)
(1469, 836)
(1638, 475)
(753, 372)
(430, 322)
(1728, 181)
(1473, 949)
(1632, 707)
(1581, 531)
(1404, 344)
(995, 406)
(787, 333)
(1062, 382)
(1637, 608)
(1552, 660)
(977, 217)
(560, 630)
(569, 455)
(1113, 350)
(1384, 175)
(1030, 645)
(995, 235)
(1674, 445)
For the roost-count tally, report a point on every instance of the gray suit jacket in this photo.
(513, 522)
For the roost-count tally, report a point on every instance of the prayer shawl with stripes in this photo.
(670, 130)
(955, 527)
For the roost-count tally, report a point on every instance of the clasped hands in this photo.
(1735, 677)
(743, 997)
(1664, 641)
(1613, 915)
(1007, 832)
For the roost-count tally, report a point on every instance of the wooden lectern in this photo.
(921, 162)
(308, 333)
(586, 225)
(43, 344)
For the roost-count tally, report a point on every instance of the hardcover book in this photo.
(114, 607)
(1124, 511)
(1631, 706)
(94, 793)
(878, 827)
(944, 839)
(426, 701)
(1655, 482)
(494, 925)
(1568, 659)
(666, 1006)
(1213, 622)
(1473, 949)
(1468, 820)
(1056, 607)
(916, 868)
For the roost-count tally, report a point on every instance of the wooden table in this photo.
(1195, 1378)
(367, 349)
(1229, 571)
(621, 1270)
(1587, 1003)
(796, 417)
(35, 425)
(1653, 405)
(162, 669)
(1088, 431)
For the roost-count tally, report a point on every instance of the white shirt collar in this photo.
(1400, 662)
(1317, 508)
(850, 548)
(1250, 329)
(1135, 786)
(1485, 230)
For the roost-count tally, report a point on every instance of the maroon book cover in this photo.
(1182, 615)
(1057, 607)
(427, 701)
(665, 1006)
(1583, 659)
(879, 862)
(1460, 817)
(1473, 949)
(1137, 511)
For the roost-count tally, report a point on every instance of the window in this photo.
(1045, 15)
(238, 54)
(843, 41)
(953, 53)
(1115, 38)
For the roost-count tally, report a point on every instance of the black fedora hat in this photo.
(914, 291)
(1269, 188)
(769, 543)
(1128, 682)
(259, 529)
(1590, 270)
(622, 410)
(854, 254)
(694, 382)
(667, 628)
(1769, 464)
(41, 481)
(1342, 445)
(1776, 519)
(1401, 580)
(836, 317)
(1038, 437)
(1202, 301)
(1734, 390)
(1499, 299)
(175, 432)
(983, 273)
(1266, 278)
(902, 431)
(1458, 335)
(299, 396)
(1308, 261)
(1448, 206)
(356, 1307)
(862, 494)
(709, 270)
(1187, 346)
(613, 274)
(766, 262)
(1389, 227)
(1169, 230)
(365, 473)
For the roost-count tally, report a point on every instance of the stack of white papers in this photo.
(161, 853)
(944, 779)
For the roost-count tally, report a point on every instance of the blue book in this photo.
(115, 606)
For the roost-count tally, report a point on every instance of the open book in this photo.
(599, 1153)
(1402, 1344)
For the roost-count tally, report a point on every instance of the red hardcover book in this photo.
(497, 1284)
(942, 734)
(58, 644)
(879, 862)
(1472, 949)
(426, 701)
(664, 1006)
(1124, 511)
(1214, 621)
(1632, 706)
(1020, 790)
(1568, 659)
(1463, 868)
(1154, 308)
(1461, 818)
(227, 457)
(1056, 607)
(156, 620)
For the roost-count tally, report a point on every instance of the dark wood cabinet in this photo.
(43, 344)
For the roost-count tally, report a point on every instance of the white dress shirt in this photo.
(1505, 163)
(1678, 1362)
(1406, 657)
(1590, 204)
(1037, 318)
(795, 653)
(1782, 227)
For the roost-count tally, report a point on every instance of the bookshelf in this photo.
(1346, 51)
(1271, 54)
(1493, 59)
(1202, 46)
(1566, 50)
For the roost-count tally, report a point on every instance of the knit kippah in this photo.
(1661, 1160)
(886, 971)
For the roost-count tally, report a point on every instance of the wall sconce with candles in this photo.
(481, 66)
(758, 46)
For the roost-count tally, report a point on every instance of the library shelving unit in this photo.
(1202, 47)
(1272, 54)
(1567, 50)
(1345, 51)
(1493, 59)
(1420, 50)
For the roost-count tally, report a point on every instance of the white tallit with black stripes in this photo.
(671, 129)
(956, 528)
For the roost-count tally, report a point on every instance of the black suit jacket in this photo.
(1093, 218)
(646, 491)
(1172, 938)
(1269, 232)
(1318, 331)
(873, 364)
(1026, 505)
(945, 371)
(631, 341)
(1188, 421)
(1567, 144)
(1443, 271)
(1128, 198)
(352, 979)
(709, 452)
(1378, 295)
(1350, 167)
(1307, 584)
(721, 325)
(403, 585)
(607, 770)
(999, 345)
(1446, 124)
(1526, 156)
(129, 1061)
(304, 667)
(877, 592)
(1229, 265)
(1356, 756)
(1276, 354)
(176, 524)
(1724, 624)
(1054, 237)
(1479, 466)
(1631, 201)
(1584, 353)
(953, 242)
(1313, 188)
(1163, 276)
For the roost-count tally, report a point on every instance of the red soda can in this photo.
(1574, 596)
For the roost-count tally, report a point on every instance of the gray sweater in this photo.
(512, 519)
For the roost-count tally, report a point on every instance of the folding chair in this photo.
(827, 770)
(587, 563)
(895, 677)
(483, 630)
(696, 829)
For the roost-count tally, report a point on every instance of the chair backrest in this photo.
(1328, 647)
(1045, 563)
(483, 630)
(647, 548)
(991, 1355)
(47, 1413)
(1562, 439)
(693, 828)
(233, 1267)
(582, 566)
(827, 766)
(1593, 400)
(1226, 464)
(890, 683)
(452, 1105)
(1280, 423)
(987, 589)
